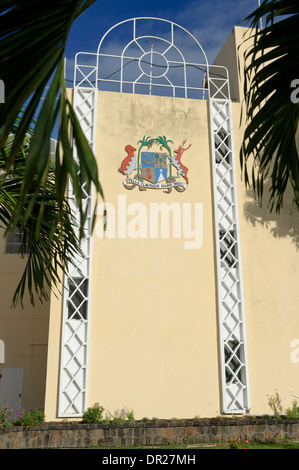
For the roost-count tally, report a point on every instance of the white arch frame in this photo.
(172, 26)
(135, 39)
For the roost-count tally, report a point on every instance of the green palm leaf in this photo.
(33, 36)
(49, 240)
(269, 144)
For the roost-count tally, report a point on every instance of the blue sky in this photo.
(210, 21)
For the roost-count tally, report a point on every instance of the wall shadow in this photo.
(282, 225)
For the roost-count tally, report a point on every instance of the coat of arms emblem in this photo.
(152, 165)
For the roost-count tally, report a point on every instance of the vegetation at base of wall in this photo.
(4, 414)
(21, 417)
(95, 414)
(274, 402)
(293, 412)
(31, 418)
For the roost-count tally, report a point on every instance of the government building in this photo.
(184, 301)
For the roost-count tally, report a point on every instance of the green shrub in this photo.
(30, 418)
(5, 412)
(130, 415)
(238, 444)
(274, 401)
(122, 415)
(119, 416)
(293, 412)
(93, 414)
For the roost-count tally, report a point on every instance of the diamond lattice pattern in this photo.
(231, 304)
(74, 357)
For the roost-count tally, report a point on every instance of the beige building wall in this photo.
(158, 337)
(154, 332)
(24, 332)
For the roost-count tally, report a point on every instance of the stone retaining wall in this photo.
(79, 435)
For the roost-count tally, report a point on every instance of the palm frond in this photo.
(272, 63)
(50, 240)
(33, 36)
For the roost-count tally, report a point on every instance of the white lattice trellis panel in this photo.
(76, 312)
(232, 329)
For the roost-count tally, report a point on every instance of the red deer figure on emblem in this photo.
(128, 164)
(182, 170)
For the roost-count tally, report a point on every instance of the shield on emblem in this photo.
(154, 166)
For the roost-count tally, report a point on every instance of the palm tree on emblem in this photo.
(163, 142)
(145, 142)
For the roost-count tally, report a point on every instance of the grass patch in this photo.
(261, 445)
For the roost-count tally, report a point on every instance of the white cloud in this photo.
(211, 21)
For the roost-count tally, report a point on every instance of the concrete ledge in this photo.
(79, 435)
